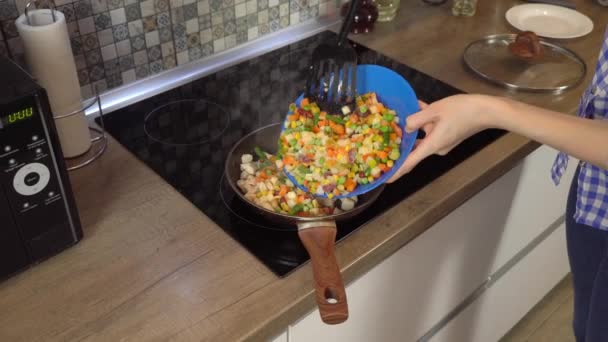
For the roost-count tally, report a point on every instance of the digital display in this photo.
(15, 117)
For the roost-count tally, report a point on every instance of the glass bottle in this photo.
(465, 8)
(387, 9)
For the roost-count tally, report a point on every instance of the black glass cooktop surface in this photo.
(185, 134)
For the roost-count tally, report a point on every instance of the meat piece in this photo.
(329, 187)
(352, 155)
(527, 45)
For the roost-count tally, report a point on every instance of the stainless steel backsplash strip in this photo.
(133, 92)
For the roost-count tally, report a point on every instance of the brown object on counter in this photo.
(527, 45)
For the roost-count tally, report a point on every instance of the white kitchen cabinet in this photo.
(410, 292)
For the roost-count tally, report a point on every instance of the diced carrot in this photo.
(357, 138)
(310, 156)
(397, 129)
(330, 152)
(383, 167)
(338, 129)
(304, 102)
(322, 123)
(382, 154)
(300, 199)
(354, 118)
(293, 117)
(365, 156)
(284, 190)
(380, 107)
(350, 185)
(316, 129)
(289, 160)
(393, 136)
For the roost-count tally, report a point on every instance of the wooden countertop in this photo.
(152, 266)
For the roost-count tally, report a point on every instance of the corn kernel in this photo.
(330, 196)
(390, 163)
(370, 178)
(293, 124)
(351, 175)
(298, 136)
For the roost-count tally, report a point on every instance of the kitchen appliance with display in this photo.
(38, 215)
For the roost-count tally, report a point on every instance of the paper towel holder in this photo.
(50, 4)
(99, 143)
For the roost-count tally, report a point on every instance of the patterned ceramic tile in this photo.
(133, 12)
(218, 32)
(241, 37)
(74, 29)
(149, 24)
(227, 3)
(192, 26)
(273, 13)
(179, 31)
(154, 53)
(96, 72)
(273, 3)
(126, 63)
(204, 21)
(123, 47)
(169, 62)
(181, 44)
(100, 86)
(114, 80)
(76, 44)
(102, 21)
(140, 57)
(156, 67)
(83, 76)
(165, 35)
(121, 32)
(190, 11)
(206, 36)
(90, 42)
(99, 6)
(138, 43)
(262, 4)
(67, 10)
(147, 8)
(183, 57)
(230, 28)
(111, 67)
(229, 14)
(105, 37)
(108, 52)
(86, 25)
(284, 21)
(219, 45)
(193, 40)
(207, 49)
(264, 29)
(217, 18)
(167, 49)
(274, 25)
(177, 15)
(240, 10)
(252, 20)
(80, 62)
(136, 27)
(230, 41)
(215, 5)
(128, 76)
(203, 7)
(119, 16)
(152, 38)
(176, 3)
(241, 24)
(93, 57)
(83, 9)
(283, 10)
(113, 4)
(195, 53)
(163, 20)
(293, 6)
(294, 18)
(263, 17)
(8, 10)
(141, 71)
(252, 6)
(161, 5)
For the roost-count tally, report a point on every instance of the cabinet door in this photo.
(407, 294)
(12, 253)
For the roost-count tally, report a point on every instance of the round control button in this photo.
(7, 148)
(26, 205)
(11, 162)
(34, 138)
(38, 150)
(31, 179)
(51, 194)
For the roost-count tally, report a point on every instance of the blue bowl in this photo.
(395, 93)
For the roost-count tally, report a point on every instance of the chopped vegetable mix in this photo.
(332, 153)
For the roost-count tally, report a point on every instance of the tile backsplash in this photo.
(116, 42)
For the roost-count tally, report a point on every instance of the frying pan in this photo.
(318, 234)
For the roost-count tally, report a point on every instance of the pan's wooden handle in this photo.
(330, 293)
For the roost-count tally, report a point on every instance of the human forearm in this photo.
(581, 138)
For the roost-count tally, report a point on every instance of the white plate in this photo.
(549, 20)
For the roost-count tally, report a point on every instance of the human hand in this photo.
(446, 123)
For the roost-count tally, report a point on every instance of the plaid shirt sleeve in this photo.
(592, 191)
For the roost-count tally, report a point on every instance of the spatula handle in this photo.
(348, 21)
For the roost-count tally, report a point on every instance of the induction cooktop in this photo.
(185, 134)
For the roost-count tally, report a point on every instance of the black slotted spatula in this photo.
(332, 81)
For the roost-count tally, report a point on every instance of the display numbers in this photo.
(20, 115)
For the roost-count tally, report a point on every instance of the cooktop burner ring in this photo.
(201, 119)
(226, 190)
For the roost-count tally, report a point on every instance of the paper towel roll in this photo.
(48, 54)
